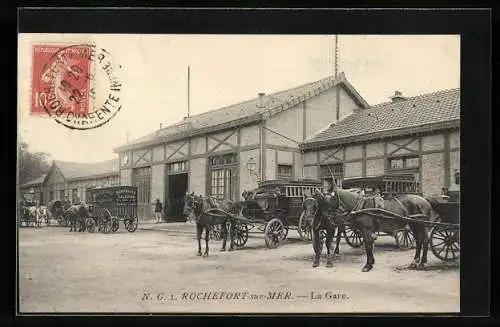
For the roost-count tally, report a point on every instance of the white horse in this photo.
(41, 215)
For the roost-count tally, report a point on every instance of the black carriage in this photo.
(274, 208)
(110, 205)
(445, 238)
(56, 210)
(386, 186)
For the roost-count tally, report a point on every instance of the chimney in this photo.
(261, 100)
(398, 96)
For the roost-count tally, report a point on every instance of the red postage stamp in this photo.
(77, 85)
(61, 78)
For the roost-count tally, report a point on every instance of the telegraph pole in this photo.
(337, 88)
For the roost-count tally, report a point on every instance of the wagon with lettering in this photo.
(109, 206)
(273, 208)
(387, 186)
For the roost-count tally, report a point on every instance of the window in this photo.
(223, 175)
(404, 162)
(74, 195)
(333, 171)
(285, 171)
(177, 167)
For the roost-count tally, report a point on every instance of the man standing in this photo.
(158, 211)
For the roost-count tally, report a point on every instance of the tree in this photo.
(31, 164)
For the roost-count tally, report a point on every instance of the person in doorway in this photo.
(158, 211)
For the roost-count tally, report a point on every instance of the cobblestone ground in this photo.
(158, 271)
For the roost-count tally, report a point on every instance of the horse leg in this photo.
(330, 232)
(224, 236)
(340, 229)
(207, 237)
(199, 230)
(317, 246)
(417, 231)
(425, 248)
(231, 236)
(370, 259)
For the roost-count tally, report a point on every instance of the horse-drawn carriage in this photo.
(387, 186)
(56, 211)
(273, 208)
(110, 205)
(27, 213)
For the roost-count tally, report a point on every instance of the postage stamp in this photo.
(76, 85)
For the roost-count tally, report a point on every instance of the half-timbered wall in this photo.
(433, 158)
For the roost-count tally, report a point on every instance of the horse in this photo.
(77, 215)
(310, 206)
(402, 205)
(41, 215)
(55, 210)
(197, 205)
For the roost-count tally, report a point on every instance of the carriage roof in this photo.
(291, 188)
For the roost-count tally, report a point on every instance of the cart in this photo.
(387, 186)
(275, 208)
(445, 239)
(111, 205)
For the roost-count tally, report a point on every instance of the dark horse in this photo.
(197, 205)
(345, 201)
(77, 215)
(311, 209)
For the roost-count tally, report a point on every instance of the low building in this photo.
(225, 151)
(418, 135)
(70, 180)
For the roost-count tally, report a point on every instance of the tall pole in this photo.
(337, 88)
(189, 91)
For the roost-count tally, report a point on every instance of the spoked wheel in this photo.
(405, 240)
(215, 232)
(305, 228)
(115, 224)
(240, 234)
(130, 224)
(105, 218)
(445, 243)
(90, 225)
(274, 233)
(353, 237)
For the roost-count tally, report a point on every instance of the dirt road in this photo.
(157, 271)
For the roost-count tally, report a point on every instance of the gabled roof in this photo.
(77, 170)
(34, 182)
(245, 112)
(427, 112)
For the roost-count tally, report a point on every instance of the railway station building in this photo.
(296, 134)
(418, 135)
(226, 151)
(71, 180)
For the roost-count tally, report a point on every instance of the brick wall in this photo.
(311, 172)
(126, 177)
(198, 145)
(159, 153)
(158, 182)
(432, 173)
(353, 152)
(454, 166)
(250, 135)
(433, 142)
(270, 164)
(375, 149)
(197, 179)
(353, 169)
(375, 167)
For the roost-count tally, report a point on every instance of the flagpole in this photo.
(189, 91)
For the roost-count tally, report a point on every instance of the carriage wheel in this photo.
(115, 224)
(405, 240)
(90, 225)
(353, 237)
(131, 224)
(215, 232)
(445, 243)
(105, 218)
(305, 227)
(281, 216)
(274, 233)
(240, 234)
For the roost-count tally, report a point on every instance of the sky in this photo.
(226, 69)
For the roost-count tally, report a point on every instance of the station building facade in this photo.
(418, 135)
(226, 151)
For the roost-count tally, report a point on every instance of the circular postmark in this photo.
(81, 87)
